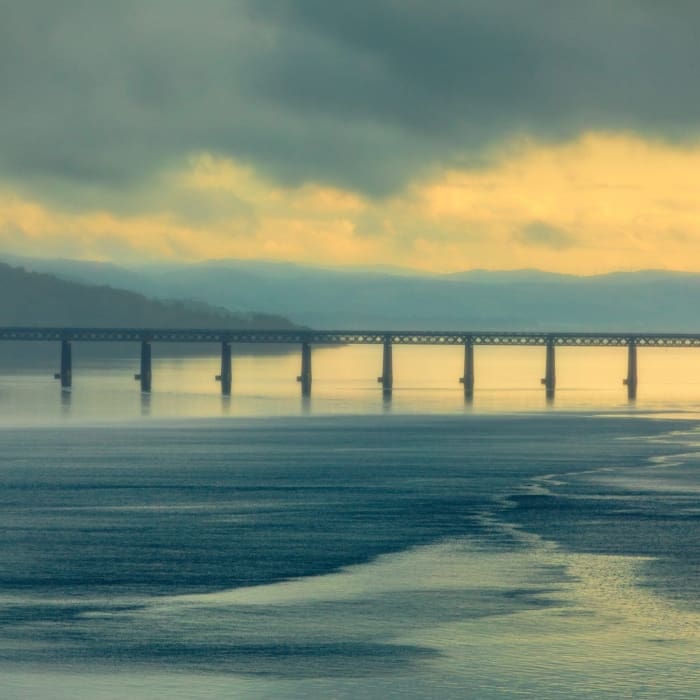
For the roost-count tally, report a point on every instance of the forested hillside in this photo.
(33, 299)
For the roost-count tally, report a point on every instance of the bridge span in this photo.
(305, 339)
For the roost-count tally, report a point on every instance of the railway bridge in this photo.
(306, 339)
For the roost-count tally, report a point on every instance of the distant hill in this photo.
(369, 298)
(39, 299)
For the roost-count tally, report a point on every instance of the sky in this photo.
(441, 135)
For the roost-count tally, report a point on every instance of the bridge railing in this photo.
(306, 338)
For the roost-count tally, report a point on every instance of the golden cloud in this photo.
(603, 202)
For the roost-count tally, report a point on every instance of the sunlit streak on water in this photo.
(539, 623)
(500, 613)
(426, 379)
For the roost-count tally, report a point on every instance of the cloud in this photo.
(540, 233)
(600, 203)
(368, 96)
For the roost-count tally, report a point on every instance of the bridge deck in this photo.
(344, 337)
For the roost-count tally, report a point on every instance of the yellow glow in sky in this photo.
(604, 202)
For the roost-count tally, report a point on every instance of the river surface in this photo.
(187, 545)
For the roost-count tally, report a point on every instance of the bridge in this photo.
(305, 339)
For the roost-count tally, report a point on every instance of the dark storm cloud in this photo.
(364, 94)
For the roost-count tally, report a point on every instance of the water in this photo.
(425, 381)
(191, 546)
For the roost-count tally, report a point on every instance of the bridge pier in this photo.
(387, 378)
(305, 377)
(66, 373)
(144, 376)
(468, 378)
(226, 374)
(550, 378)
(631, 380)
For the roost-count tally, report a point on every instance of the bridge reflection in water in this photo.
(306, 339)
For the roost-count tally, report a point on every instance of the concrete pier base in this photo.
(468, 379)
(631, 380)
(144, 376)
(226, 374)
(305, 377)
(550, 378)
(387, 378)
(66, 373)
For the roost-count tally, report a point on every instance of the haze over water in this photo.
(262, 546)
(426, 380)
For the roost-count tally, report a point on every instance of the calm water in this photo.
(188, 546)
(426, 380)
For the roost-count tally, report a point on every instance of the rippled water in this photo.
(185, 545)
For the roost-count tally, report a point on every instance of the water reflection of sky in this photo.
(517, 599)
(426, 380)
